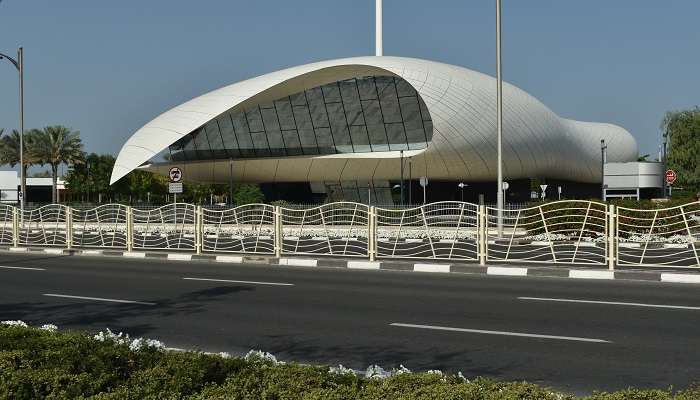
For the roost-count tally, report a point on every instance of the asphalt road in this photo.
(624, 334)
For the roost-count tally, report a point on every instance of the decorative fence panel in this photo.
(557, 232)
(331, 229)
(44, 226)
(663, 237)
(103, 226)
(6, 224)
(171, 227)
(244, 229)
(445, 230)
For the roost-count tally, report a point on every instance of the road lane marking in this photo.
(232, 281)
(501, 333)
(613, 303)
(99, 299)
(26, 268)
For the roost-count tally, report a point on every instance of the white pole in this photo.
(499, 122)
(379, 49)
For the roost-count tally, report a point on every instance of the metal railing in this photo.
(561, 232)
(572, 232)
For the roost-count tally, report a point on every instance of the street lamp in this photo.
(499, 121)
(603, 148)
(462, 185)
(19, 64)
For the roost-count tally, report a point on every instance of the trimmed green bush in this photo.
(43, 364)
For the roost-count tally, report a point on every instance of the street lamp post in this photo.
(401, 177)
(461, 186)
(19, 64)
(499, 120)
(603, 148)
(665, 165)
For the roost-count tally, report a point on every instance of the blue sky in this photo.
(108, 67)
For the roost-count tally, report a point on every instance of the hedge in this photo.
(48, 364)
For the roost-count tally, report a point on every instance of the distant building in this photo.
(38, 189)
(338, 129)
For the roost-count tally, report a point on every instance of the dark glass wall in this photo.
(376, 113)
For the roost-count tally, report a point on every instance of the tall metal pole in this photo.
(603, 147)
(401, 185)
(499, 118)
(379, 46)
(22, 178)
(230, 180)
(410, 180)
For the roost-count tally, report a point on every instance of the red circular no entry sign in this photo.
(671, 176)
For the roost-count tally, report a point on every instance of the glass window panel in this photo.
(331, 93)
(284, 113)
(269, 118)
(351, 102)
(339, 128)
(411, 113)
(298, 99)
(277, 147)
(202, 145)
(308, 140)
(372, 112)
(215, 141)
(366, 88)
(325, 141)
(302, 117)
(260, 143)
(377, 137)
(229, 137)
(245, 141)
(266, 105)
(291, 141)
(385, 87)
(360, 140)
(255, 123)
(397, 137)
(317, 108)
(391, 110)
(404, 88)
(428, 127)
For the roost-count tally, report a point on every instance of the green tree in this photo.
(10, 152)
(248, 194)
(56, 145)
(682, 129)
(91, 178)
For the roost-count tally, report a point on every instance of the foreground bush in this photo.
(43, 363)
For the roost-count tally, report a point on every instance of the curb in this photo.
(409, 266)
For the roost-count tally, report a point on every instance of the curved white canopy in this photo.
(461, 102)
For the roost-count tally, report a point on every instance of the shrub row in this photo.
(37, 363)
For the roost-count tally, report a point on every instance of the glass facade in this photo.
(369, 114)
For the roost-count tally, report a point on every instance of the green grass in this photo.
(39, 364)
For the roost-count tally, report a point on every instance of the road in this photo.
(574, 335)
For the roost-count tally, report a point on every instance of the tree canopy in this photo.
(682, 129)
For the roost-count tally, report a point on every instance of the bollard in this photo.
(612, 220)
(372, 233)
(481, 234)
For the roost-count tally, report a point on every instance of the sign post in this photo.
(175, 186)
(671, 177)
(544, 191)
(423, 182)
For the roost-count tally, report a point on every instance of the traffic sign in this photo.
(175, 187)
(543, 187)
(671, 176)
(175, 175)
(506, 185)
(423, 181)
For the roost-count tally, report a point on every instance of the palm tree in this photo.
(56, 145)
(9, 151)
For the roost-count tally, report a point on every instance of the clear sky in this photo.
(108, 67)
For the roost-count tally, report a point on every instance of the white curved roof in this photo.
(462, 105)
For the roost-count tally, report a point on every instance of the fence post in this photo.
(612, 220)
(481, 234)
(69, 228)
(129, 229)
(278, 231)
(198, 235)
(15, 227)
(372, 233)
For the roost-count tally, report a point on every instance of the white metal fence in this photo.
(563, 232)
